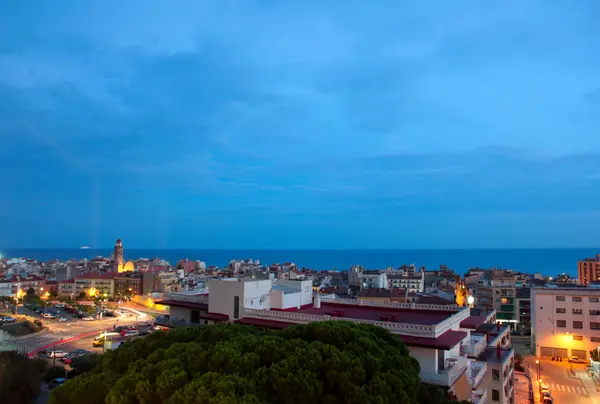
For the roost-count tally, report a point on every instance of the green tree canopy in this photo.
(20, 378)
(323, 362)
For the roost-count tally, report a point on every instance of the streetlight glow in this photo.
(470, 300)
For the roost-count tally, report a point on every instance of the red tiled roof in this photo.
(186, 305)
(446, 341)
(67, 281)
(473, 322)
(262, 323)
(408, 316)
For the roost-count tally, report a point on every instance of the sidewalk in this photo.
(589, 385)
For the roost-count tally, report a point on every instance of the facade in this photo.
(67, 288)
(452, 346)
(383, 295)
(523, 309)
(128, 284)
(10, 286)
(588, 270)
(497, 294)
(95, 282)
(412, 283)
(565, 321)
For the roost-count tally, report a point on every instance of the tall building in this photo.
(565, 321)
(588, 270)
(118, 256)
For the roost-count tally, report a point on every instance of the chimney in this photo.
(317, 302)
(498, 352)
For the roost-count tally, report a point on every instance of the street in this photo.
(69, 329)
(564, 387)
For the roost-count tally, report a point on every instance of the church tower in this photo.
(118, 256)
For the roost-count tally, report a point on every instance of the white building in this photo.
(565, 321)
(456, 350)
(412, 283)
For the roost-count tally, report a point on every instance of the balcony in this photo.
(474, 345)
(479, 396)
(477, 371)
(454, 367)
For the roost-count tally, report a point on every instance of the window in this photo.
(560, 298)
(561, 323)
(578, 324)
(504, 300)
(577, 337)
(594, 312)
(495, 395)
(496, 374)
(560, 311)
(577, 311)
(594, 326)
(594, 300)
(595, 339)
(576, 299)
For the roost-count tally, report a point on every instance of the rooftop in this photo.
(490, 355)
(98, 275)
(285, 289)
(382, 293)
(375, 313)
(474, 322)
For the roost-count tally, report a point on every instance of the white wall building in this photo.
(565, 321)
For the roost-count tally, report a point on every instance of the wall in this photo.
(221, 296)
(292, 300)
(178, 313)
(427, 358)
(304, 287)
(544, 318)
(277, 299)
(257, 294)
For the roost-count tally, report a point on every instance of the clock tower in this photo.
(118, 255)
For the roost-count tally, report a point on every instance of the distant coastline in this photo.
(547, 261)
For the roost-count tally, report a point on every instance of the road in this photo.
(557, 375)
(69, 329)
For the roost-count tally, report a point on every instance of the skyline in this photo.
(287, 125)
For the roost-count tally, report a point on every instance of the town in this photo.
(490, 335)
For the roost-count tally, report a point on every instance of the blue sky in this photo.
(300, 124)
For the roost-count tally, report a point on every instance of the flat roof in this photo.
(446, 341)
(184, 304)
(396, 315)
(490, 355)
(263, 323)
(473, 322)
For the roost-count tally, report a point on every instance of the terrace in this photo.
(454, 367)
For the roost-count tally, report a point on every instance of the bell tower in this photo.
(118, 255)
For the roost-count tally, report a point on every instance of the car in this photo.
(547, 400)
(544, 389)
(62, 319)
(8, 319)
(75, 354)
(57, 354)
(143, 323)
(56, 382)
(130, 333)
(576, 359)
(159, 328)
(49, 315)
(61, 306)
(88, 318)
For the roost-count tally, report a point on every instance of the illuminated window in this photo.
(577, 338)
(504, 300)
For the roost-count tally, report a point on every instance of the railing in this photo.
(479, 396)
(427, 331)
(454, 368)
(474, 345)
(477, 371)
(404, 306)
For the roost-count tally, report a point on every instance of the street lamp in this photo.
(537, 362)
(470, 300)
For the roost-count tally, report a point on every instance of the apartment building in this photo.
(367, 278)
(101, 283)
(497, 294)
(588, 270)
(523, 309)
(11, 285)
(413, 282)
(128, 284)
(565, 321)
(384, 295)
(450, 344)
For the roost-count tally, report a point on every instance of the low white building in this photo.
(565, 321)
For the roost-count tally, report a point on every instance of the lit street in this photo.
(564, 387)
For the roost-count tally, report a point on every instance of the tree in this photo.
(20, 378)
(322, 362)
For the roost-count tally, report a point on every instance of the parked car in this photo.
(57, 354)
(8, 319)
(48, 315)
(88, 318)
(576, 359)
(61, 306)
(130, 333)
(547, 400)
(75, 354)
(56, 382)
(62, 319)
(544, 389)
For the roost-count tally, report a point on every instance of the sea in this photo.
(549, 262)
